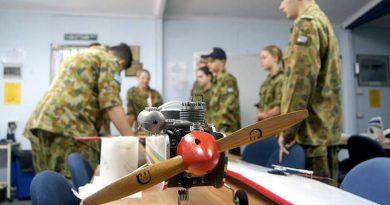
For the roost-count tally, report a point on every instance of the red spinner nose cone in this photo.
(199, 151)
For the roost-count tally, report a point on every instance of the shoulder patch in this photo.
(307, 17)
(302, 40)
(230, 90)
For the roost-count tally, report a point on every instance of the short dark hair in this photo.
(94, 44)
(206, 71)
(123, 52)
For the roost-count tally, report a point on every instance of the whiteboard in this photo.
(249, 74)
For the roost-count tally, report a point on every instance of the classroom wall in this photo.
(372, 41)
(167, 50)
(183, 37)
(35, 32)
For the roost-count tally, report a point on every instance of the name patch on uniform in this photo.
(117, 78)
(230, 90)
(302, 40)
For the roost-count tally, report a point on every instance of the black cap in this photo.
(216, 53)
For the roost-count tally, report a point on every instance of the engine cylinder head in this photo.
(193, 111)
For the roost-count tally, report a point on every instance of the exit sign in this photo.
(80, 37)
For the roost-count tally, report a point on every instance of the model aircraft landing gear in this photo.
(239, 197)
(183, 195)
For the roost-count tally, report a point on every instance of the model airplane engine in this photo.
(189, 122)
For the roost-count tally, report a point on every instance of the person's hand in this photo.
(260, 115)
(284, 145)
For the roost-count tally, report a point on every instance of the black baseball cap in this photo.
(216, 53)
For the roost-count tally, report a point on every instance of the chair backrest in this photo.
(370, 180)
(51, 188)
(80, 170)
(295, 159)
(387, 133)
(362, 148)
(259, 152)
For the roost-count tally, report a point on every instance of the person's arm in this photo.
(268, 113)
(130, 119)
(159, 100)
(303, 65)
(130, 107)
(109, 98)
(230, 105)
(273, 111)
(118, 117)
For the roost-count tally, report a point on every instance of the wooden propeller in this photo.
(261, 130)
(149, 176)
(137, 181)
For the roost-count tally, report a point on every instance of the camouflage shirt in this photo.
(138, 100)
(312, 79)
(271, 91)
(86, 84)
(206, 94)
(224, 103)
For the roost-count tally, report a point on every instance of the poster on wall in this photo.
(12, 93)
(375, 98)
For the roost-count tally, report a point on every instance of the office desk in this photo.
(291, 189)
(8, 148)
(344, 139)
(197, 196)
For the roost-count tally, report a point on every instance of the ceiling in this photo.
(337, 10)
(145, 8)
(382, 22)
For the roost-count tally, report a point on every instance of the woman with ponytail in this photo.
(271, 89)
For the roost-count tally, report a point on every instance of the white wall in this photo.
(35, 32)
(183, 37)
(238, 37)
(373, 41)
(168, 44)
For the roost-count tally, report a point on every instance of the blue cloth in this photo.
(259, 152)
(80, 170)
(295, 159)
(51, 188)
(370, 180)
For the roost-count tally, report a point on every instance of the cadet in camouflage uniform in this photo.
(202, 86)
(139, 97)
(85, 89)
(271, 89)
(196, 88)
(312, 82)
(224, 102)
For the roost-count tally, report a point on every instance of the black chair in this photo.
(80, 170)
(295, 159)
(370, 180)
(259, 152)
(360, 149)
(51, 188)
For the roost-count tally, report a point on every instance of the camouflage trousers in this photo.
(50, 151)
(323, 160)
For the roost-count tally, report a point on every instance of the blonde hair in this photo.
(275, 51)
(142, 71)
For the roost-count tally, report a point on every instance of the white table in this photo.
(8, 147)
(344, 139)
(291, 189)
